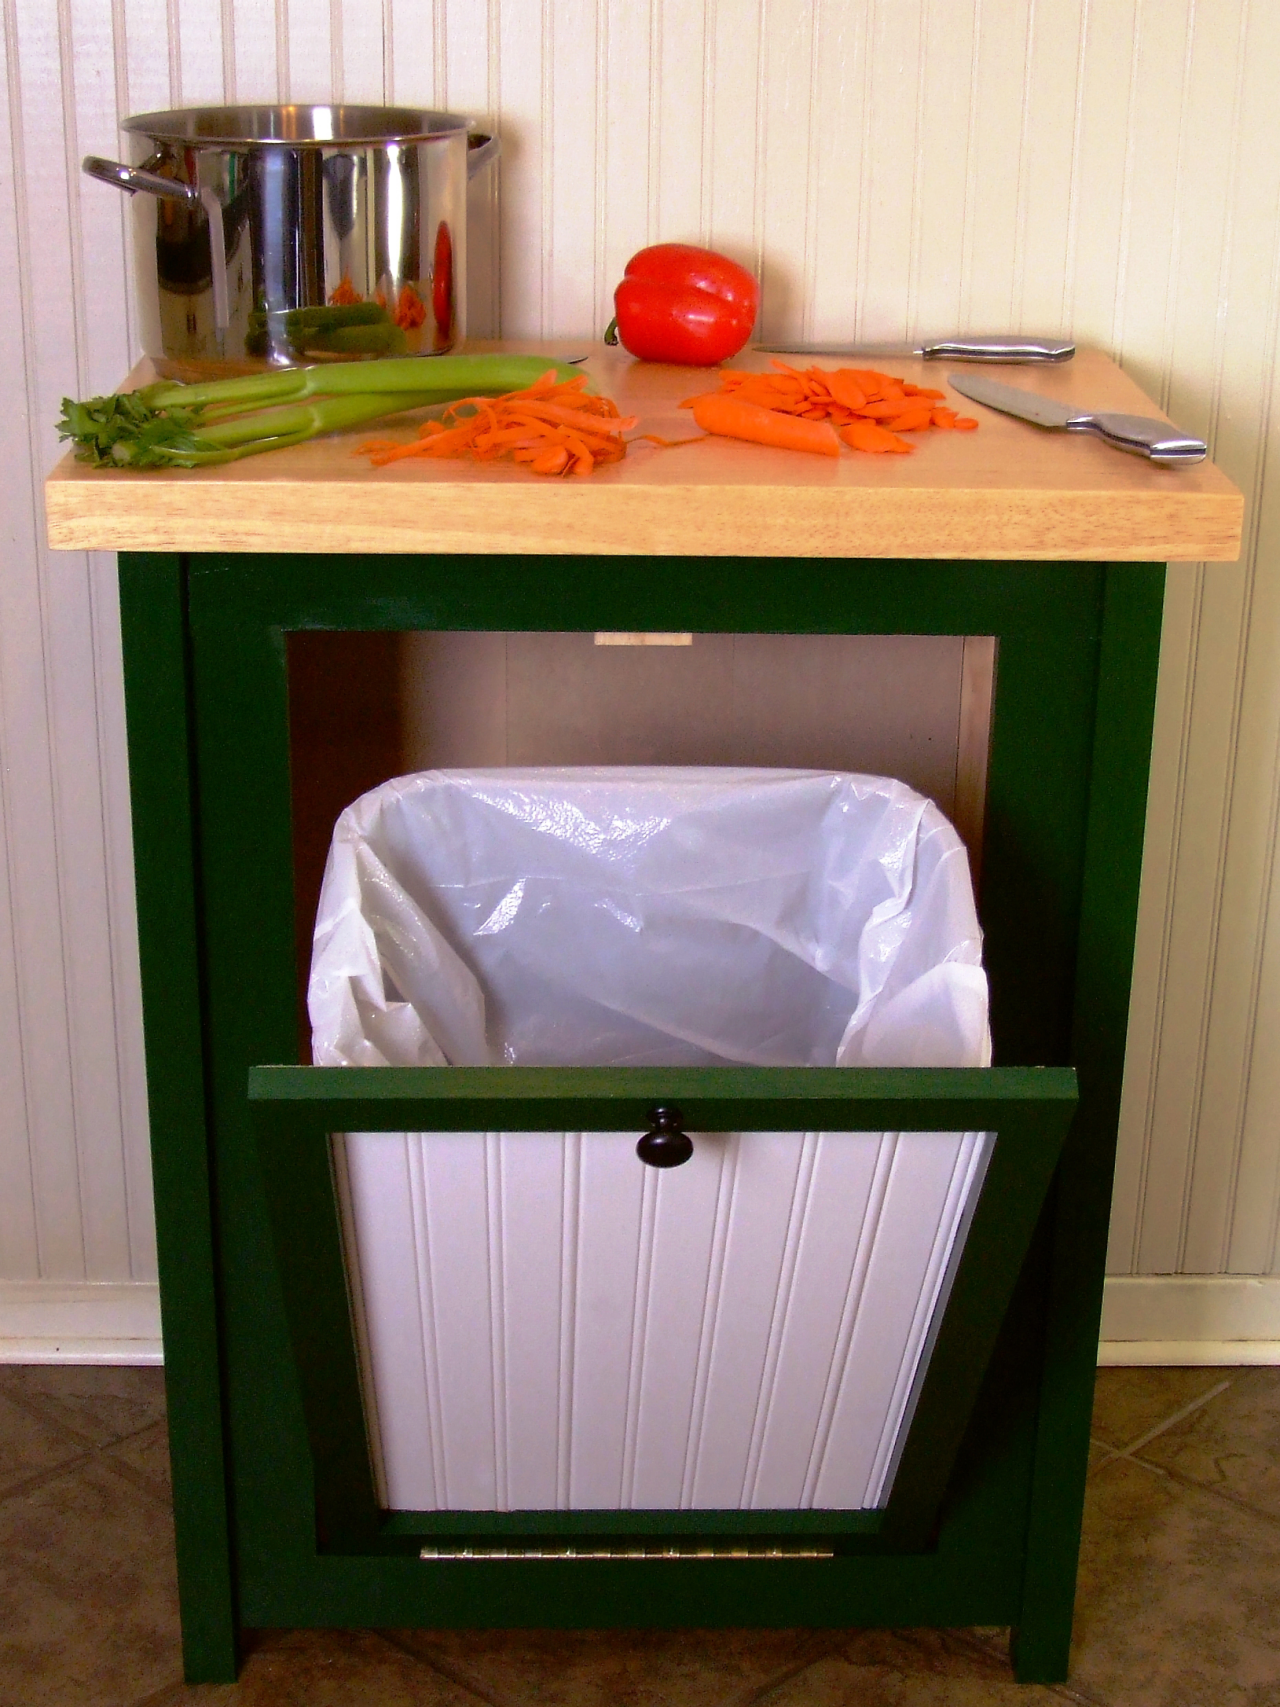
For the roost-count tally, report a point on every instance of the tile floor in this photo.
(1179, 1590)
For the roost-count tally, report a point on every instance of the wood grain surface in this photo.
(1009, 490)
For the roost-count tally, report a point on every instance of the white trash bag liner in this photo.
(647, 917)
(544, 1323)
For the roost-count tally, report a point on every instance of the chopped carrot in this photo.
(870, 381)
(965, 423)
(869, 436)
(885, 409)
(846, 390)
(554, 426)
(912, 421)
(845, 398)
(732, 418)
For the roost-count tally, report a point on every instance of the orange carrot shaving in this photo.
(553, 426)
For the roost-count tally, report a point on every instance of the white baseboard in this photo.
(46, 1321)
(1190, 1319)
(1146, 1319)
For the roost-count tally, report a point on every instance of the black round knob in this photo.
(665, 1144)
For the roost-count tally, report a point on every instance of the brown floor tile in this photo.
(100, 1402)
(615, 1668)
(1128, 1402)
(341, 1668)
(88, 1598)
(1233, 1443)
(910, 1668)
(147, 1456)
(191, 1695)
(1179, 1598)
(31, 1443)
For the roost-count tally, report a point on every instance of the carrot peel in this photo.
(554, 427)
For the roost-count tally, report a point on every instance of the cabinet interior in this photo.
(367, 706)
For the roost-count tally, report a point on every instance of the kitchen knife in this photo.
(1142, 434)
(998, 349)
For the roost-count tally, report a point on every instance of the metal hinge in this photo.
(677, 1551)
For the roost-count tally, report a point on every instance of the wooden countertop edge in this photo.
(675, 520)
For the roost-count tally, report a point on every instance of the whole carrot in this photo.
(733, 419)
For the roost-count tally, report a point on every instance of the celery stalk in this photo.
(169, 425)
(451, 376)
(266, 429)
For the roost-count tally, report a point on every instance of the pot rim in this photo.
(297, 125)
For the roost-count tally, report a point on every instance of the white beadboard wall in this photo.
(1105, 167)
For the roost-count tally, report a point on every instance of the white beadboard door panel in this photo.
(1105, 167)
(546, 1324)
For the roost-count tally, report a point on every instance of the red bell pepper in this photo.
(681, 304)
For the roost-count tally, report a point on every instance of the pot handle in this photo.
(481, 149)
(133, 178)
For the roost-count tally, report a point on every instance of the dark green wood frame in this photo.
(297, 1108)
(207, 702)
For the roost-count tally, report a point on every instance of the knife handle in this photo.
(1144, 436)
(1000, 349)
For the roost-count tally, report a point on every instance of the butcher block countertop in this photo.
(1009, 490)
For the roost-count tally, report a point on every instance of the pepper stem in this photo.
(611, 331)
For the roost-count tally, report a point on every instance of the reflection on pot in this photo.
(297, 234)
(444, 300)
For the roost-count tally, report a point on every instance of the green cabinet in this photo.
(277, 1518)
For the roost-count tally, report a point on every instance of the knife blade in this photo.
(1141, 434)
(959, 349)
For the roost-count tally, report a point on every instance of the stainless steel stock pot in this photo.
(299, 233)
